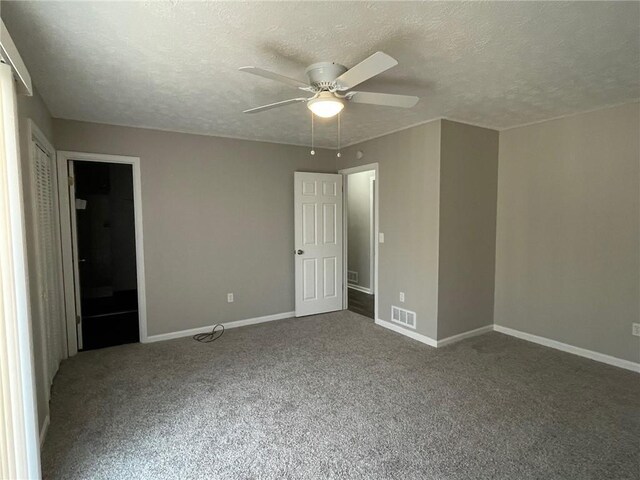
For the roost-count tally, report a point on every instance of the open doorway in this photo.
(106, 246)
(360, 236)
(102, 249)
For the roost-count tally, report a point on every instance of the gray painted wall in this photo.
(468, 191)
(33, 108)
(409, 191)
(568, 260)
(359, 210)
(217, 218)
(567, 257)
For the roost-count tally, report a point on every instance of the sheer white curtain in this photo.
(19, 450)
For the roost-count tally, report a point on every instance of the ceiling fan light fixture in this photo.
(326, 105)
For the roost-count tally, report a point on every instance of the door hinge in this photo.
(78, 319)
(71, 181)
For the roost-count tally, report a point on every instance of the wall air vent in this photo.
(403, 317)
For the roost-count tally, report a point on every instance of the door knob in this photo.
(299, 252)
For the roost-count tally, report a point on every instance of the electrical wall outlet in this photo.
(229, 297)
(402, 297)
(635, 329)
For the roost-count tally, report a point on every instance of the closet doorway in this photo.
(104, 260)
(49, 328)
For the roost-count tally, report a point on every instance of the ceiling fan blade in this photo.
(275, 105)
(261, 72)
(386, 99)
(369, 67)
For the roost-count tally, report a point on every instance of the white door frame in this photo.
(376, 214)
(373, 183)
(67, 239)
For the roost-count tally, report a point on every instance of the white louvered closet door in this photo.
(49, 282)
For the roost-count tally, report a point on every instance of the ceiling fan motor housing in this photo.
(322, 75)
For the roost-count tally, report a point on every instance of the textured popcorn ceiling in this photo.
(173, 65)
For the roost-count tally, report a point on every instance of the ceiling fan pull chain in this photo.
(338, 154)
(313, 152)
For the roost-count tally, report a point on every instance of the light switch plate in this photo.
(229, 297)
(381, 237)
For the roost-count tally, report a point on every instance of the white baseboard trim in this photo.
(461, 336)
(408, 333)
(44, 429)
(582, 352)
(430, 341)
(360, 289)
(227, 325)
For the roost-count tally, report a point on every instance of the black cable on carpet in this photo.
(211, 336)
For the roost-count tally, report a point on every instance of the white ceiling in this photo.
(174, 65)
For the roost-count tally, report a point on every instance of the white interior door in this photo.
(74, 246)
(318, 242)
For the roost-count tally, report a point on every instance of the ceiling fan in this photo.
(332, 83)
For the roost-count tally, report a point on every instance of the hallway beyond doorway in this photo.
(362, 303)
